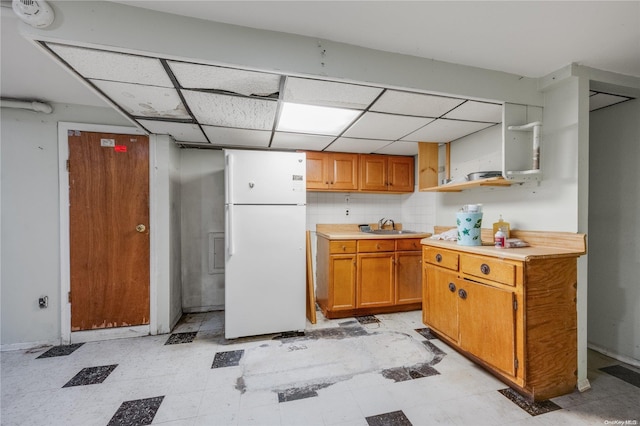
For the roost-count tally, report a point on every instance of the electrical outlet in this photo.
(43, 302)
(346, 213)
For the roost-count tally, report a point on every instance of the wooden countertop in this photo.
(542, 245)
(352, 232)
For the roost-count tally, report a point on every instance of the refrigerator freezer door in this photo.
(265, 275)
(265, 177)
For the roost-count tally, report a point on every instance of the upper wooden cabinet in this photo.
(332, 171)
(348, 172)
(386, 173)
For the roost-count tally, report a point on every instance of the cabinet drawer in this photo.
(372, 246)
(436, 256)
(408, 244)
(339, 246)
(489, 268)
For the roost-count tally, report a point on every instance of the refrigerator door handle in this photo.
(229, 180)
(229, 236)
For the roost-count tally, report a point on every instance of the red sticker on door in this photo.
(120, 148)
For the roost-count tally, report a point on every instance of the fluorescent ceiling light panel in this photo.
(373, 125)
(442, 130)
(399, 148)
(329, 93)
(223, 136)
(196, 76)
(314, 119)
(362, 146)
(231, 111)
(300, 141)
(396, 102)
(477, 111)
(601, 100)
(113, 66)
(144, 101)
(181, 132)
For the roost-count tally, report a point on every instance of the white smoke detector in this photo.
(36, 13)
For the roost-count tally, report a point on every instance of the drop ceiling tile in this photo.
(181, 132)
(477, 111)
(399, 148)
(231, 111)
(224, 136)
(197, 76)
(329, 93)
(374, 125)
(396, 102)
(443, 130)
(113, 66)
(601, 100)
(300, 141)
(144, 101)
(362, 146)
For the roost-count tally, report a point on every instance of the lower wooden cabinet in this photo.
(368, 276)
(515, 318)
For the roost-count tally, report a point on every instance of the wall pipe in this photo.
(30, 105)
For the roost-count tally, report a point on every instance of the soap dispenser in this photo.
(502, 225)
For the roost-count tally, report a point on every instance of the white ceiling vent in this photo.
(36, 13)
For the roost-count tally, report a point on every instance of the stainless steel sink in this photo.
(390, 232)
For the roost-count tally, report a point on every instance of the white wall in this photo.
(202, 186)
(614, 231)
(30, 243)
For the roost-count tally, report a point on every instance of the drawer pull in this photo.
(484, 268)
(452, 287)
(438, 258)
(344, 248)
(462, 293)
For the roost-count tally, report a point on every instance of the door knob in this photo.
(141, 228)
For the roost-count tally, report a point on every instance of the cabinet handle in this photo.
(438, 258)
(484, 268)
(344, 248)
(452, 287)
(462, 293)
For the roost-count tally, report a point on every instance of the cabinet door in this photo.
(375, 280)
(343, 173)
(487, 324)
(317, 170)
(408, 277)
(342, 275)
(373, 172)
(401, 174)
(440, 301)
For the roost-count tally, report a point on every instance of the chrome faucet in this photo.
(382, 222)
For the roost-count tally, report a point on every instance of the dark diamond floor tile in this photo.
(91, 376)
(63, 350)
(623, 373)
(177, 338)
(367, 319)
(294, 394)
(438, 353)
(136, 412)
(227, 359)
(289, 335)
(426, 333)
(533, 408)
(402, 374)
(394, 418)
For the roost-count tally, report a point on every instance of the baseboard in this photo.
(614, 355)
(28, 345)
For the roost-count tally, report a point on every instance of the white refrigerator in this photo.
(265, 250)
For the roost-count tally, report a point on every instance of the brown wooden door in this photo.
(440, 301)
(317, 170)
(344, 172)
(373, 172)
(408, 277)
(401, 174)
(487, 324)
(375, 280)
(342, 270)
(109, 248)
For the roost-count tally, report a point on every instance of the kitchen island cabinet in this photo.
(363, 274)
(513, 311)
